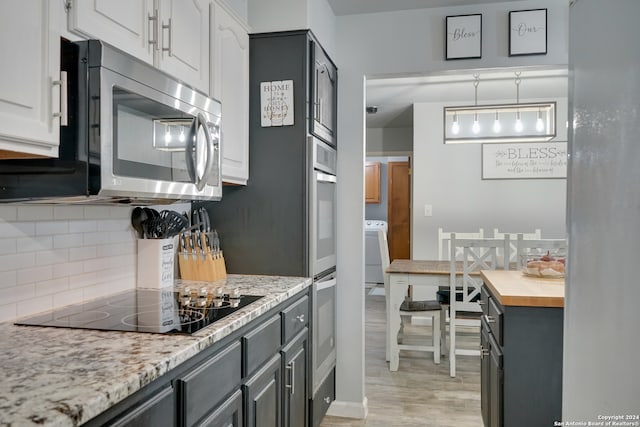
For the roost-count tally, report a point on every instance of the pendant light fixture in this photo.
(519, 122)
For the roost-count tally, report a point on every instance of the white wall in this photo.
(399, 43)
(449, 177)
(52, 256)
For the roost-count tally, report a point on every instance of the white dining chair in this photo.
(464, 291)
(513, 237)
(537, 246)
(409, 308)
(444, 242)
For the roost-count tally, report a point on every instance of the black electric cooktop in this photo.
(146, 310)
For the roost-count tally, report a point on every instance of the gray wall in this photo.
(601, 345)
(389, 141)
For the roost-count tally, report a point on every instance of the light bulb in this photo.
(167, 134)
(181, 137)
(476, 126)
(455, 127)
(518, 125)
(496, 124)
(539, 123)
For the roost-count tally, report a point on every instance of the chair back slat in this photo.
(444, 242)
(513, 237)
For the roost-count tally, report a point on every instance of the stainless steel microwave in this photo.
(134, 133)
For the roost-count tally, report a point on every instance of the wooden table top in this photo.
(512, 288)
(412, 266)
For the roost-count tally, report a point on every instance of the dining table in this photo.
(426, 277)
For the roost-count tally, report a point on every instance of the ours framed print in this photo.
(528, 32)
(464, 36)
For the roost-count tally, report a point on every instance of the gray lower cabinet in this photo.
(263, 394)
(521, 364)
(322, 398)
(229, 414)
(158, 410)
(295, 402)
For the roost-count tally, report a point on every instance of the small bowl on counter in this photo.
(549, 265)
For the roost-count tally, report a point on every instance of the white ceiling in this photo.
(353, 7)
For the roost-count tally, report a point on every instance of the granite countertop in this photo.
(512, 288)
(65, 377)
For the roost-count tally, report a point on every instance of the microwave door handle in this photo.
(211, 149)
(189, 150)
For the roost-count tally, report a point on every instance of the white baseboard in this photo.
(349, 409)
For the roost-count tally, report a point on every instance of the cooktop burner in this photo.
(147, 310)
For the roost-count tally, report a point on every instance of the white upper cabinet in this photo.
(184, 41)
(171, 34)
(30, 85)
(230, 85)
(126, 24)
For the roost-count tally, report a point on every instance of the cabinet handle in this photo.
(483, 352)
(64, 105)
(292, 374)
(168, 28)
(489, 319)
(481, 302)
(153, 23)
(327, 400)
(300, 318)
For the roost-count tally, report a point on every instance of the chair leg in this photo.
(452, 344)
(443, 331)
(435, 333)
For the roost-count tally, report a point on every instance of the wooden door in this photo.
(398, 210)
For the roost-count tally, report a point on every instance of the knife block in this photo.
(200, 263)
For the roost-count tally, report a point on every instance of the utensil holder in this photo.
(156, 258)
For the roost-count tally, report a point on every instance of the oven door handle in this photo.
(324, 177)
(324, 284)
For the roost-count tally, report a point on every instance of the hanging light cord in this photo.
(476, 82)
(518, 87)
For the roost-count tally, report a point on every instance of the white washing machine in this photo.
(372, 264)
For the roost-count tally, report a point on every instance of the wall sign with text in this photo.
(276, 103)
(524, 160)
(528, 32)
(464, 36)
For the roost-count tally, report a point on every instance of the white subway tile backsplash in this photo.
(68, 212)
(8, 246)
(73, 296)
(8, 279)
(35, 305)
(96, 264)
(48, 228)
(97, 212)
(8, 312)
(67, 269)
(115, 249)
(52, 287)
(68, 240)
(34, 244)
(35, 213)
(8, 213)
(17, 293)
(120, 212)
(95, 238)
(35, 274)
(80, 254)
(85, 279)
(83, 226)
(17, 229)
(121, 236)
(16, 261)
(115, 225)
(53, 256)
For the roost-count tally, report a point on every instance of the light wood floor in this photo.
(420, 393)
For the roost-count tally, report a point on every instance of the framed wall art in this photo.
(464, 36)
(528, 32)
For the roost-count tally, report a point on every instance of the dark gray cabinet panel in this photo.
(263, 396)
(157, 411)
(295, 319)
(229, 414)
(202, 389)
(324, 396)
(294, 355)
(261, 344)
(521, 381)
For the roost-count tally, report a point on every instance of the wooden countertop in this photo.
(411, 266)
(512, 288)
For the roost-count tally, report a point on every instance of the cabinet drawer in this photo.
(494, 318)
(260, 344)
(159, 410)
(206, 386)
(324, 396)
(294, 319)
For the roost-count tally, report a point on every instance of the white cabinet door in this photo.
(184, 41)
(30, 52)
(125, 24)
(230, 85)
